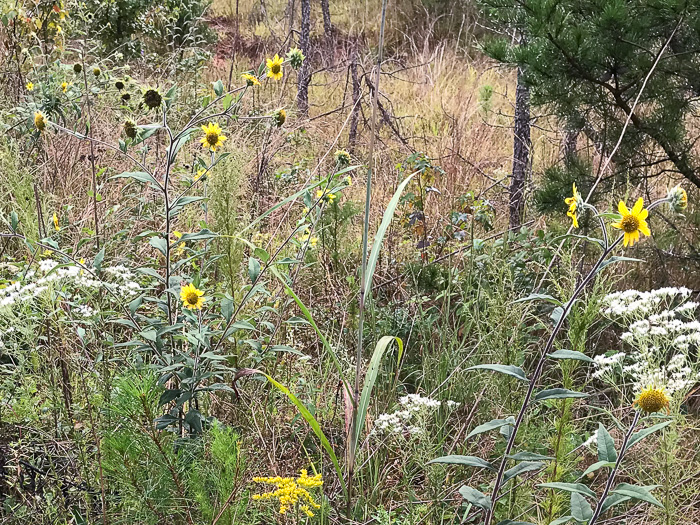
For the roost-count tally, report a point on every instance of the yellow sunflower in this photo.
(573, 203)
(191, 297)
(64, 86)
(274, 67)
(55, 222)
(632, 222)
(213, 137)
(30, 86)
(652, 400)
(250, 80)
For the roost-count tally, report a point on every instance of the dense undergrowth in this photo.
(185, 283)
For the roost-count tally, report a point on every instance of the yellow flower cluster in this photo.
(291, 492)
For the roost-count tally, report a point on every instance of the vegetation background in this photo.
(119, 403)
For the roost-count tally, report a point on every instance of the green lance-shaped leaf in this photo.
(158, 243)
(562, 520)
(616, 259)
(580, 509)
(579, 488)
(606, 445)
(529, 456)
(514, 371)
(597, 466)
(491, 425)
(638, 436)
(469, 461)
(379, 237)
(139, 176)
(475, 497)
(612, 500)
(642, 493)
(253, 269)
(558, 393)
(570, 354)
(522, 468)
(511, 522)
(371, 378)
(539, 297)
(305, 413)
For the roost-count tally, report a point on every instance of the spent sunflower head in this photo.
(295, 57)
(119, 84)
(677, 199)
(651, 400)
(77, 68)
(575, 203)
(40, 121)
(213, 137)
(96, 71)
(632, 222)
(250, 80)
(274, 67)
(126, 97)
(130, 128)
(152, 98)
(191, 297)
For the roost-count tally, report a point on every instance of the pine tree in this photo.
(587, 60)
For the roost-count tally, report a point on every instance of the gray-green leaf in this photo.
(475, 497)
(570, 354)
(470, 461)
(580, 509)
(606, 445)
(514, 371)
(558, 393)
(491, 425)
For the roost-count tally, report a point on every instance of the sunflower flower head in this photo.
(295, 57)
(40, 121)
(30, 86)
(191, 297)
(677, 199)
(651, 400)
(291, 493)
(632, 222)
(250, 80)
(274, 67)
(55, 222)
(64, 86)
(213, 137)
(575, 203)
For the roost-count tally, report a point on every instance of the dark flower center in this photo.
(630, 224)
(192, 298)
(276, 68)
(212, 138)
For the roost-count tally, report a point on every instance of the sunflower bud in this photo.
(96, 71)
(295, 57)
(677, 199)
(342, 158)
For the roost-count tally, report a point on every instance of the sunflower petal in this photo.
(644, 228)
(638, 206)
(622, 209)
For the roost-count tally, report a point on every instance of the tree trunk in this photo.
(521, 152)
(355, 114)
(327, 25)
(304, 77)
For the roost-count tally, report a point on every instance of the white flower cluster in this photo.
(38, 282)
(632, 303)
(662, 333)
(410, 418)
